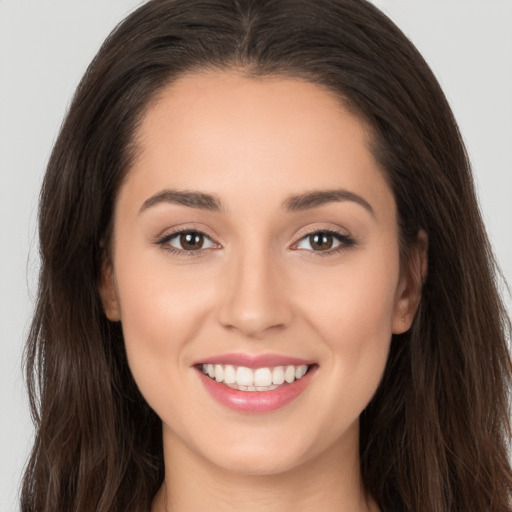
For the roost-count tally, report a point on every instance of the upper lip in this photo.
(254, 361)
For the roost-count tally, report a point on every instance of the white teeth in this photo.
(300, 371)
(252, 388)
(278, 375)
(229, 374)
(244, 376)
(260, 379)
(289, 374)
(219, 373)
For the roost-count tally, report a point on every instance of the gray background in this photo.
(45, 46)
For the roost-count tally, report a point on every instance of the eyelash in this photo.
(346, 242)
(164, 241)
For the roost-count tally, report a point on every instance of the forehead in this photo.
(257, 111)
(227, 134)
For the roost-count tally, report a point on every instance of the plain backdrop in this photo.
(45, 46)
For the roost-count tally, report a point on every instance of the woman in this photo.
(265, 280)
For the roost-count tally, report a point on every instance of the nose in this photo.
(254, 296)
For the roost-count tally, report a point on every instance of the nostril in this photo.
(254, 300)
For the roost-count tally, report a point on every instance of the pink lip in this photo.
(256, 401)
(254, 361)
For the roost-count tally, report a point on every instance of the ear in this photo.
(413, 276)
(108, 291)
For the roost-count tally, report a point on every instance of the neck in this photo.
(330, 482)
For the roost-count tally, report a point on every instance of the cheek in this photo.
(352, 316)
(354, 299)
(156, 297)
(160, 313)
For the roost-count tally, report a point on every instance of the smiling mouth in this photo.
(242, 378)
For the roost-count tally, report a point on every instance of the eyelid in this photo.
(346, 240)
(164, 239)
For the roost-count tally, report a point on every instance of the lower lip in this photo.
(256, 401)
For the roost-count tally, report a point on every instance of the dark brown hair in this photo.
(435, 436)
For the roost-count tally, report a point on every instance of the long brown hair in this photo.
(435, 436)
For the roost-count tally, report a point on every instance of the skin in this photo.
(258, 287)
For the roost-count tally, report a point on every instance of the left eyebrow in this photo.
(192, 199)
(318, 198)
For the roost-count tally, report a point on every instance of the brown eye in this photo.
(326, 242)
(191, 241)
(187, 242)
(321, 241)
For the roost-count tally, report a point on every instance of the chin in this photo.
(251, 461)
(264, 450)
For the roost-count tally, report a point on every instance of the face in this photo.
(255, 233)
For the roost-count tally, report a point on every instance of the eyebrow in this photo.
(191, 199)
(318, 198)
(300, 202)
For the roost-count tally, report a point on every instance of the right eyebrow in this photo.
(317, 198)
(191, 199)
